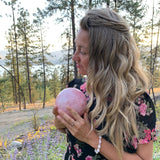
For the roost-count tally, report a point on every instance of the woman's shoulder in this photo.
(76, 83)
(146, 118)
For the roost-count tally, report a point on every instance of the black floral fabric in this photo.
(146, 122)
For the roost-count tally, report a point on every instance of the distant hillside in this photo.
(56, 58)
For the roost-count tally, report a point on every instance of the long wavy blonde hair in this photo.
(114, 71)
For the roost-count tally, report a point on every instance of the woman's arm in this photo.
(79, 127)
(144, 151)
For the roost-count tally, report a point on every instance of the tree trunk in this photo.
(74, 34)
(154, 62)
(68, 57)
(17, 58)
(115, 5)
(14, 85)
(90, 4)
(44, 80)
(2, 102)
(151, 58)
(28, 71)
(107, 3)
(44, 70)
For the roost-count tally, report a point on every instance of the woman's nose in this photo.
(75, 56)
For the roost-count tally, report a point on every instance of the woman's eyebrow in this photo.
(81, 45)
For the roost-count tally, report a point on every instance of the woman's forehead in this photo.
(82, 38)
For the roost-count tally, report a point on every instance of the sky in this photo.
(53, 30)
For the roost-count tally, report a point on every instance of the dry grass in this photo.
(38, 105)
(156, 90)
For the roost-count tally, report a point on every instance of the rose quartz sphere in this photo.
(71, 97)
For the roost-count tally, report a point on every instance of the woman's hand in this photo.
(60, 126)
(78, 126)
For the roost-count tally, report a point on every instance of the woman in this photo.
(120, 120)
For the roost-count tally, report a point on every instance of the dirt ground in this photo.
(17, 122)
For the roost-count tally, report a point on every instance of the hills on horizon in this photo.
(56, 57)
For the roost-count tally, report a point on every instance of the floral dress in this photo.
(146, 121)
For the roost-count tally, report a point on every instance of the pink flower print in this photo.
(147, 131)
(148, 134)
(83, 87)
(69, 147)
(72, 158)
(142, 109)
(139, 101)
(134, 142)
(88, 158)
(78, 150)
(143, 141)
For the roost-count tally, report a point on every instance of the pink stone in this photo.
(71, 97)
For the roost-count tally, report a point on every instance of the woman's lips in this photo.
(78, 66)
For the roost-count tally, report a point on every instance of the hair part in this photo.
(114, 71)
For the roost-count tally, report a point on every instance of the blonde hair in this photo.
(114, 71)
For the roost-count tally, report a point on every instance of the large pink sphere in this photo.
(71, 97)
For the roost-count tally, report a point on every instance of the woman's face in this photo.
(81, 55)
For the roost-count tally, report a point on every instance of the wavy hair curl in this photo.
(114, 71)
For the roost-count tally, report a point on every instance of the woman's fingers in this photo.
(86, 117)
(55, 110)
(74, 114)
(66, 119)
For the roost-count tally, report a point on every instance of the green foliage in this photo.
(55, 83)
(35, 120)
(5, 93)
(156, 149)
(135, 12)
(158, 110)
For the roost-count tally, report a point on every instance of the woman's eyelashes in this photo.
(82, 52)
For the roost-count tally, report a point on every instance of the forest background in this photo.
(32, 73)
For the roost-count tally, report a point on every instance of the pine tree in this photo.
(39, 21)
(54, 83)
(5, 95)
(25, 33)
(67, 9)
(12, 4)
(11, 61)
(134, 13)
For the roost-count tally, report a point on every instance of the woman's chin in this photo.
(82, 73)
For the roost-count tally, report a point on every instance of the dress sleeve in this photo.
(146, 119)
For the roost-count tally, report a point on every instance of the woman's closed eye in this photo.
(82, 52)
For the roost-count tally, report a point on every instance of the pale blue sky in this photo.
(53, 31)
